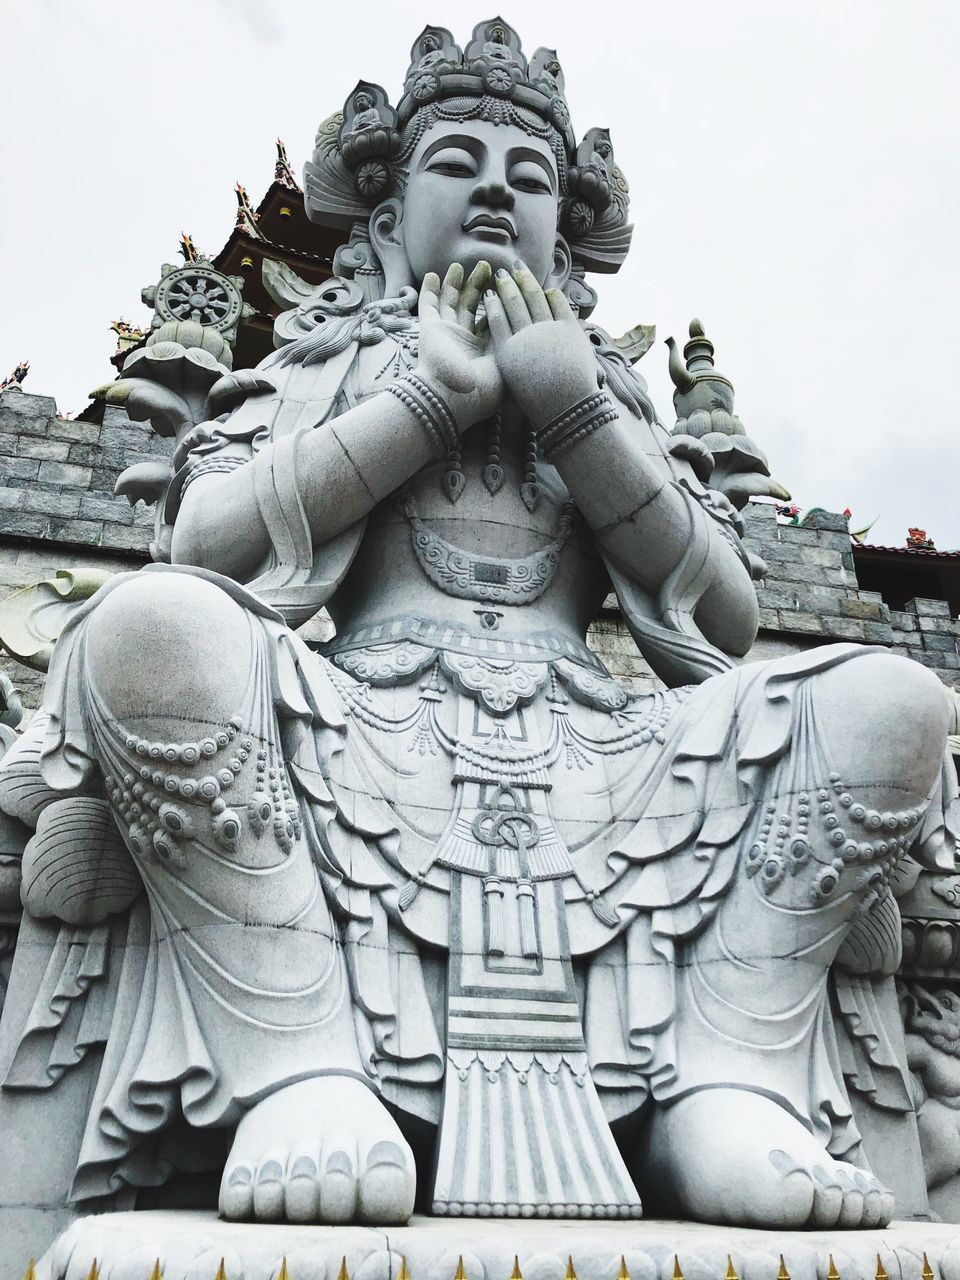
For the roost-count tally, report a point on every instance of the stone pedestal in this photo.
(190, 1246)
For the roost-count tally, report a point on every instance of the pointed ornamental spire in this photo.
(247, 217)
(31, 1271)
(783, 1273)
(221, 1272)
(188, 250)
(283, 1273)
(570, 1273)
(343, 1273)
(282, 171)
(677, 1273)
(94, 1272)
(623, 1273)
(460, 1274)
(156, 1273)
(927, 1272)
(404, 1272)
(516, 1273)
(832, 1272)
(881, 1273)
(731, 1271)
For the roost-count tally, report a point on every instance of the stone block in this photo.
(776, 595)
(24, 524)
(75, 431)
(94, 506)
(830, 538)
(127, 537)
(877, 632)
(86, 455)
(931, 623)
(51, 502)
(824, 600)
(827, 520)
(87, 531)
(795, 620)
(843, 628)
(43, 447)
(856, 607)
(909, 639)
(938, 642)
(20, 406)
(768, 619)
(66, 473)
(903, 621)
(10, 498)
(18, 469)
(928, 608)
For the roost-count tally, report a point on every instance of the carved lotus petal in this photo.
(77, 868)
(175, 366)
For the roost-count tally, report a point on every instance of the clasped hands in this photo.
(527, 343)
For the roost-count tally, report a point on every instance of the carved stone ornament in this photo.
(198, 292)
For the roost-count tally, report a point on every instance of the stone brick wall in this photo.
(57, 510)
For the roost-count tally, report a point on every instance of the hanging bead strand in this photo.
(530, 489)
(493, 471)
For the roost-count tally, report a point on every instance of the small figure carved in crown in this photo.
(368, 138)
(589, 181)
(434, 54)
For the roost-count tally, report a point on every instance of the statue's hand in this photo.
(545, 357)
(454, 359)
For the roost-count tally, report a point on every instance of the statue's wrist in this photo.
(430, 408)
(573, 424)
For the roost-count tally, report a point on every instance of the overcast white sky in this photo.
(793, 166)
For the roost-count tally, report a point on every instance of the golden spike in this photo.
(731, 1271)
(404, 1272)
(832, 1272)
(623, 1273)
(283, 1273)
(94, 1272)
(516, 1273)
(783, 1273)
(343, 1273)
(881, 1272)
(677, 1273)
(927, 1272)
(571, 1274)
(221, 1272)
(156, 1273)
(31, 1273)
(460, 1274)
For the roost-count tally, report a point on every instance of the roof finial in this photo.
(247, 216)
(698, 352)
(282, 171)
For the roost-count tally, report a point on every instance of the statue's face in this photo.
(479, 191)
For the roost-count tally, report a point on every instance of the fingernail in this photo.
(503, 273)
(519, 264)
(488, 293)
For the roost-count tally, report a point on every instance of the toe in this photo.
(268, 1190)
(888, 1207)
(827, 1198)
(338, 1178)
(236, 1193)
(388, 1184)
(851, 1215)
(792, 1202)
(303, 1189)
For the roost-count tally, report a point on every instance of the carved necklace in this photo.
(486, 579)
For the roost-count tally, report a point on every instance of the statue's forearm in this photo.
(644, 523)
(341, 471)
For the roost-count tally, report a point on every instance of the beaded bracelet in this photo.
(429, 409)
(575, 424)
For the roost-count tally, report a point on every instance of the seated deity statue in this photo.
(435, 913)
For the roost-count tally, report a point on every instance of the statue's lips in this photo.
(491, 225)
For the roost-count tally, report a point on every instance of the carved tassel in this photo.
(453, 478)
(528, 924)
(493, 896)
(493, 471)
(530, 489)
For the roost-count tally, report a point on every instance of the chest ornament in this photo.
(486, 579)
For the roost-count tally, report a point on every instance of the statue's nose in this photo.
(494, 195)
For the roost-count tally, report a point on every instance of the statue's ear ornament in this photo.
(595, 213)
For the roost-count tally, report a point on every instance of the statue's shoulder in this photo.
(338, 332)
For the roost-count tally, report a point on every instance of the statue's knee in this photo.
(886, 720)
(169, 644)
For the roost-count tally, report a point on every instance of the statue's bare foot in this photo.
(324, 1150)
(731, 1156)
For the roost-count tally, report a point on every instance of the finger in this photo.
(430, 295)
(559, 305)
(529, 286)
(512, 299)
(497, 320)
(471, 293)
(450, 291)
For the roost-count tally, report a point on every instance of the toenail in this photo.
(271, 1171)
(386, 1153)
(303, 1167)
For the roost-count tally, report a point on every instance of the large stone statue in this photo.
(441, 884)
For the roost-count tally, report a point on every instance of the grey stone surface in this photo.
(438, 901)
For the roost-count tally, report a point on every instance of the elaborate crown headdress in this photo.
(360, 152)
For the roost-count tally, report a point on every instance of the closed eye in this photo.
(530, 177)
(453, 164)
